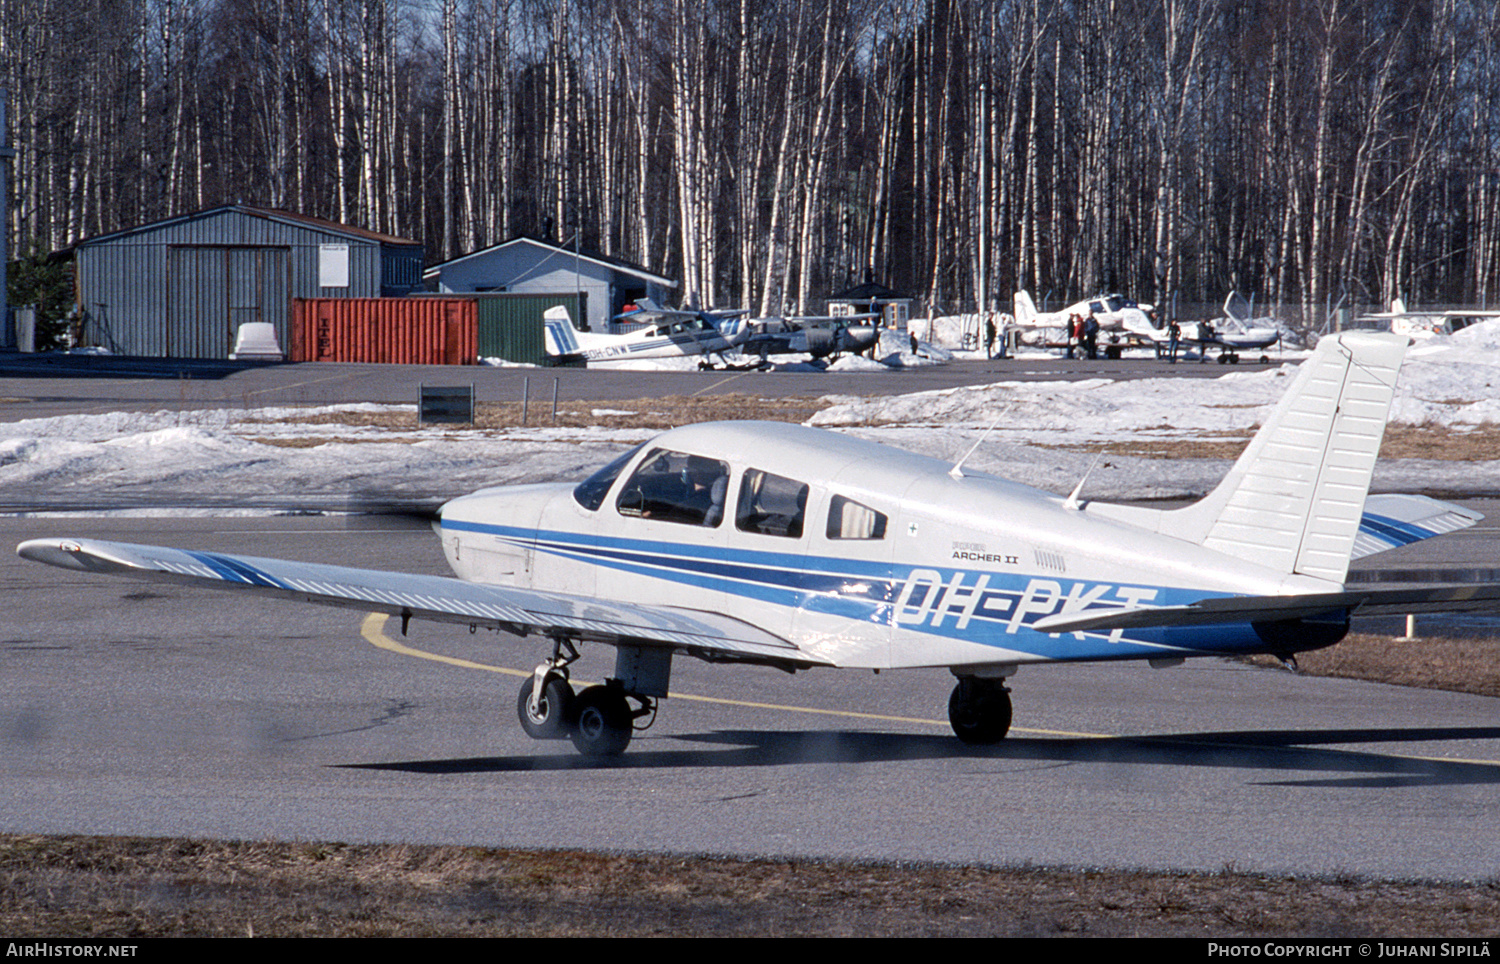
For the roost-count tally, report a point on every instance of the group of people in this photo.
(1083, 333)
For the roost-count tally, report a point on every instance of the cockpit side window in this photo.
(676, 487)
(848, 519)
(591, 491)
(771, 505)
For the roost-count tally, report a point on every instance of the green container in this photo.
(510, 325)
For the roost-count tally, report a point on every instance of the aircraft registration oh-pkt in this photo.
(780, 545)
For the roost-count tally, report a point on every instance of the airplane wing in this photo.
(710, 636)
(1240, 609)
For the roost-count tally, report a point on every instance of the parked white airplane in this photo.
(1428, 324)
(1113, 312)
(775, 544)
(1231, 334)
(670, 334)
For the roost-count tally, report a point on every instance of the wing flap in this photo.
(1254, 609)
(438, 598)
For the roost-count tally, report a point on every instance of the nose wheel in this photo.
(979, 710)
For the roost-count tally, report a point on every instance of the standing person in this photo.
(1091, 337)
(1174, 332)
(989, 334)
(1075, 332)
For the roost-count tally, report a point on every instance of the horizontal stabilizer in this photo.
(1390, 521)
(438, 598)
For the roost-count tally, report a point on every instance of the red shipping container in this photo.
(393, 331)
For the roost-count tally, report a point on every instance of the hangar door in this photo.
(213, 289)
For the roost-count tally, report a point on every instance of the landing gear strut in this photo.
(548, 716)
(600, 720)
(545, 703)
(979, 710)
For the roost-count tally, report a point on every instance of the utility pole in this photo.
(7, 330)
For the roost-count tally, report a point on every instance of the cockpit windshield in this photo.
(676, 487)
(591, 491)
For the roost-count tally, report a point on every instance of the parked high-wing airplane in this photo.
(1428, 324)
(793, 547)
(1230, 334)
(667, 334)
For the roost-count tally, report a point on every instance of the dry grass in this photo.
(130, 887)
(660, 414)
(1464, 665)
(657, 414)
(1439, 442)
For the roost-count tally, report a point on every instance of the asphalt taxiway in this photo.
(134, 708)
(38, 386)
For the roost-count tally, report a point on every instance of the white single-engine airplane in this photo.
(1112, 312)
(669, 334)
(1429, 324)
(1231, 334)
(786, 546)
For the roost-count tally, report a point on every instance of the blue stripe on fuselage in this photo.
(938, 603)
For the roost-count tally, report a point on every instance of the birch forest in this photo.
(768, 153)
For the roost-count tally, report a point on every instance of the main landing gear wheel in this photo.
(550, 717)
(979, 710)
(602, 722)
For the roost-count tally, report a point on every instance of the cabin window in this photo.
(848, 519)
(771, 505)
(676, 487)
(591, 491)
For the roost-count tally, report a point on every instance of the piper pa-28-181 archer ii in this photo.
(794, 547)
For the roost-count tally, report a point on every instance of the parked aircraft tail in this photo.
(558, 332)
(1294, 500)
(1025, 310)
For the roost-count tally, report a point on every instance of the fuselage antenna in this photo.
(958, 467)
(1072, 502)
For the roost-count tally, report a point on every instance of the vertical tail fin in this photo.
(558, 333)
(1025, 309)
(1294, 499)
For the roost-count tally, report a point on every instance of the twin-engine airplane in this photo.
(819, 336)
(747, 542)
